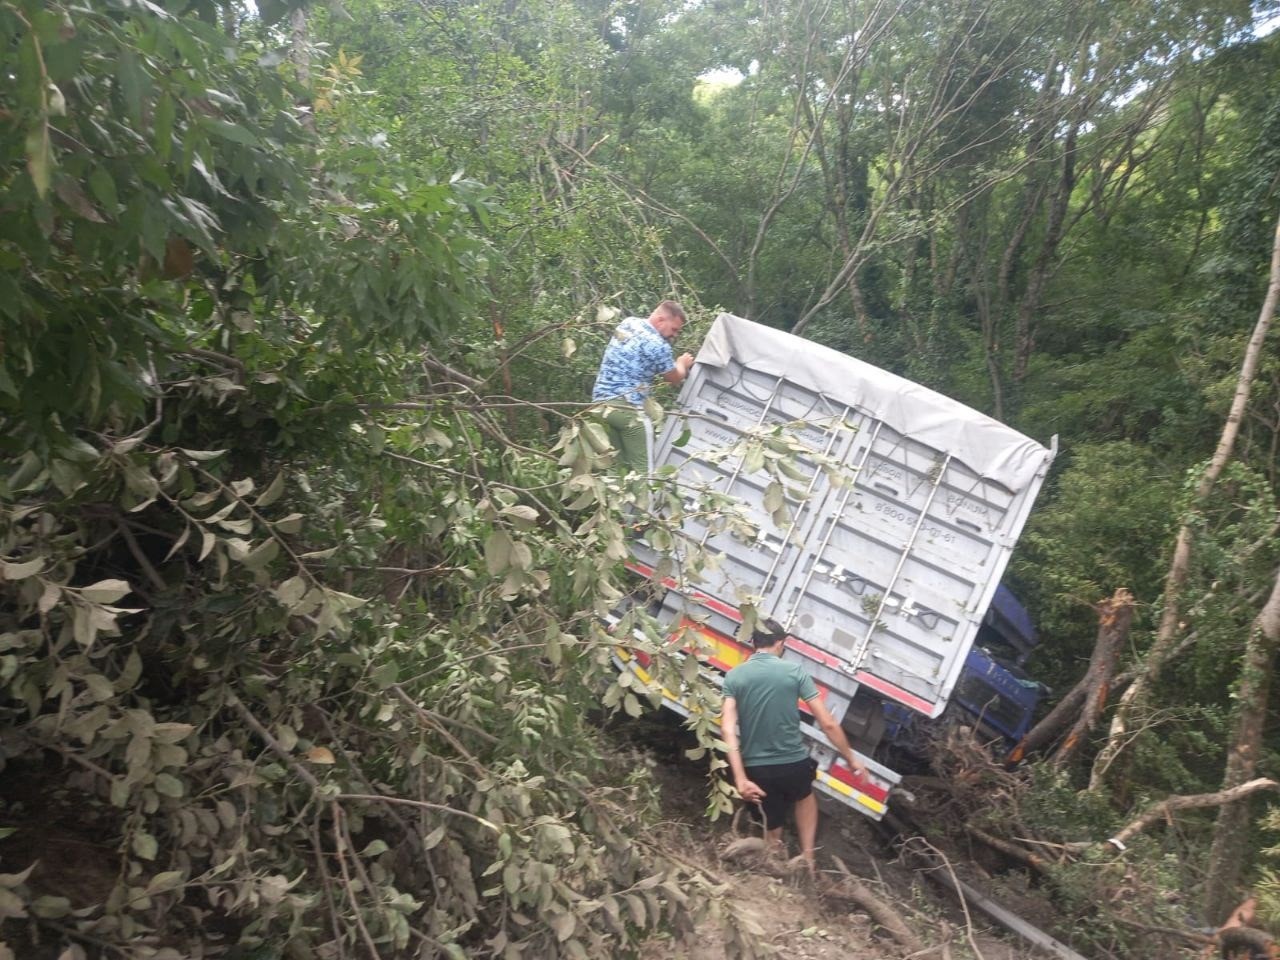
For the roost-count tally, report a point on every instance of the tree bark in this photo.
(1179, 568)
(1025, 333)
(1115, 617)
(880, 911)
(300, 54)
(1230, 832)
(1160, 811)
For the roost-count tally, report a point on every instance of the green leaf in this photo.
(231, 131)
(290, 524)
(11, 905)
(432, 839)
(131, 672)
(497, 552)
(100, 688)
(273, 492)
(133, 83)
(11, 880)
(105, 591)
(103, 188)
(20, 571)
(168, 785)
(262, 554)
(773, 497)
(564, 924)
(291, 591)
(145, 845)
(163, 125)
(170, 732)
(40, 158)
(168, 880)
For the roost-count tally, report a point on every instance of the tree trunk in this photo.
(1115, 617)
(1025, 333)
(1230, 832)
(1160, 812)
(300, 54)
(1176, 579)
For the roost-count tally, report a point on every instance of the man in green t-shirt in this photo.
(760, 724)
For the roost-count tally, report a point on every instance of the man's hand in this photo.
(750, 791)
(683, 364)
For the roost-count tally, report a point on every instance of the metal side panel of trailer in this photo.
(888, 570)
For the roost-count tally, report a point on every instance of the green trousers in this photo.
(631, 433)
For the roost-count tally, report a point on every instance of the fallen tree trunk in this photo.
(1009, 849)
(879, 911)
(1115, 617)
(1161, 811)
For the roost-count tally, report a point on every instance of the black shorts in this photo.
(783, 784)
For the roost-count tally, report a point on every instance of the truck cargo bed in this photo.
(903, 506)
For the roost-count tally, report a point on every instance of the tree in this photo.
(1229, 835)
(1170, 616)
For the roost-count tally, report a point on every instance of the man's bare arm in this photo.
(831, 727)
(684, 363)
(750, 791)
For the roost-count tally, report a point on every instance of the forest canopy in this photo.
(308, 544)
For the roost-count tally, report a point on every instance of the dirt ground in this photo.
(799, 922)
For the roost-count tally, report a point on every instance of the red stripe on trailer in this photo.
(804, 648)
(863, 785)
(710, 602)
(897, 693)
(727, 647)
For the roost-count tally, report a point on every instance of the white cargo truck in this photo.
(902, 508)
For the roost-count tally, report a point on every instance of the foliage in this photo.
(1102, 525)
(316, 643)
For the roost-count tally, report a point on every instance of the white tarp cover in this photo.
(988, 447)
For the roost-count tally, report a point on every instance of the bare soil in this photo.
(801, 920)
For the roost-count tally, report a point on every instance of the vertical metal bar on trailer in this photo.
(855, 661)
(831, 528)
(833, 432)
(741, 460)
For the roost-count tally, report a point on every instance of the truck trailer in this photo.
(881, 553)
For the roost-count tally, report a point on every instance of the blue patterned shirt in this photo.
(635, 355)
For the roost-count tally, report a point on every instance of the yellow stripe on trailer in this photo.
(646, 676)
(842, 788)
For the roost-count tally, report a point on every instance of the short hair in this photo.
(767, 632)
(673, 309)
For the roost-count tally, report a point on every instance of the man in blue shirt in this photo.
(760, 725)
(639, 351)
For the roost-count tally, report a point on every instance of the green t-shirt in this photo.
(767, 690)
